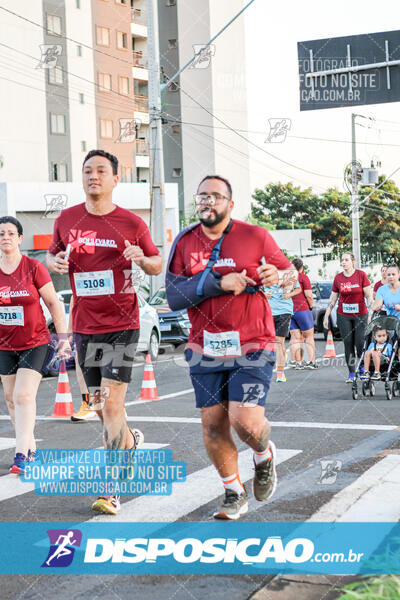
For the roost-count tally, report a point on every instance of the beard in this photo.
(212, 218)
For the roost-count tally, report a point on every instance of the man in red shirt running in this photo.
(302, 322)
(96, 243)
(216, 270)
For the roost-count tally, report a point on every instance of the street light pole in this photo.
(355, 215)
(157, 180)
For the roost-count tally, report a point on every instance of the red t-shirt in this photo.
(22, 323)
(300, 301)
(249, 315)
(378, 285)
(101, 278)
(351, 300)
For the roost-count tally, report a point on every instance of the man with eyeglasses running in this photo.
(231, 348)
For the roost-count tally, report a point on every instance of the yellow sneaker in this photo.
(281, 378)
(109, 505)
(84, 413)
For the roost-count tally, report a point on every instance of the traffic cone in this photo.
(63, 406)
(330, 347)
(149, 388)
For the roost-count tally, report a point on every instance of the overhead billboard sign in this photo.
(349, 71)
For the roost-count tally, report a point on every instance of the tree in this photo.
(380, 220)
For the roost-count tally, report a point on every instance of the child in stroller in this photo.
(380, 351)
(383, 333)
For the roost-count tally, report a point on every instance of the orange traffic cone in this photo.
(330, 347)
(149, 388)
(63, 406)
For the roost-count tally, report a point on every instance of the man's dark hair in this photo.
(14, 221)
(113, 159)
(297, 263)
(220, 178)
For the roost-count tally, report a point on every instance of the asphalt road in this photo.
(314, 420)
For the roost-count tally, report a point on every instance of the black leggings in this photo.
(352, 330)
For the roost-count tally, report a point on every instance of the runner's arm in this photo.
(151, 265)
(332, 302)
(368, 295)
(57, 263)
(49, 296)
(309, 297)
(294, 292)
(376, 305)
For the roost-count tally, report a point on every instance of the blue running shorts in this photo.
(245, 379)
(302, 319)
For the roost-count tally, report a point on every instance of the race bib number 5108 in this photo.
(96, 283)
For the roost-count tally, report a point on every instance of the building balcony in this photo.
(141, 104)
(142, 148)
(139, 60)
(138, 23)
(140, 73)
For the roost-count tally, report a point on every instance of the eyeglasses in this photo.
(210, 199)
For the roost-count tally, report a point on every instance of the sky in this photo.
(272, 32)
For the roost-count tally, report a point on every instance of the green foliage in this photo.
(385, 587)
(328, 215)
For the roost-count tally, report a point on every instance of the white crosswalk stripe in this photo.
(199, 488)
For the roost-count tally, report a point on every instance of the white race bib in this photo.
(11, 315)
(350, 308)
(226, 343)
(96, 283)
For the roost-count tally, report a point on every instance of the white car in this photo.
(149, 340)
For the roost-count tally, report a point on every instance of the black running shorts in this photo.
(282, 324)
(33, 358)
(106, 355)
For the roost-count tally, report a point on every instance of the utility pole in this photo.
(355, 218)
(157, 181)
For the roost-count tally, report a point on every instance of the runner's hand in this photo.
(325, 323)
(236, 282)
(61, 264)
(268, 274)
(134, 253)
(64, 350)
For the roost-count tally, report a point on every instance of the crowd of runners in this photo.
(243, 301)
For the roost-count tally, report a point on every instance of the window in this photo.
(124, 85)
(171, 3)
(106, 128)
(79, 50)
(176, 172)
(126, 175)
(57, 124)
(83, 146)
(176, 128)
(172, 44)
(122, 40)
(56, 76)
(104, 82)
(53, 25)
(81, 98)
(59, 171)
(102, 36)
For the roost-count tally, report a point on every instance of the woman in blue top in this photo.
(388, 295)
(281, 304)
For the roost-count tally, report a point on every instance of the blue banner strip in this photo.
(199, 548)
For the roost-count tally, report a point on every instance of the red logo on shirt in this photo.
(77, 238)
(198, 261)
(5, 294)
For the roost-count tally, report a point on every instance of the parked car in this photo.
(149, 340)
(321, 293)
(174, 324)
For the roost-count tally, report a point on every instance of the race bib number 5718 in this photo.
(12, 315)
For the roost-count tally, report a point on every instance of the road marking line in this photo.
(200, 487)
(6, 442)
(11, 485)
(175, 394)
(373, 497)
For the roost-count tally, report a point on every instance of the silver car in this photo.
(149, 340)
(321, 291)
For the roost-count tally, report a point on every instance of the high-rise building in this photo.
(195, 142)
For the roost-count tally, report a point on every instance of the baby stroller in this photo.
(389, 370)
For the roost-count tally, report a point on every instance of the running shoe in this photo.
(281, 378)
(365, 376)
(233, 506)
(292, 363)
(350, 377)
(376, 376)
(138, 438)
(31, 455)
(265, 479)
(84, 413)
(109, 505)
(311, 365)
(18, 465)
(299, 366)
